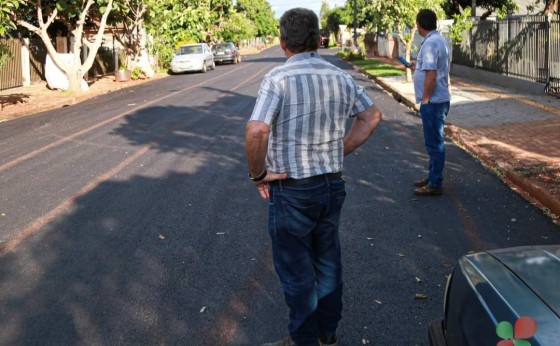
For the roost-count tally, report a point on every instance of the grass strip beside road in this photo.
(378, 68)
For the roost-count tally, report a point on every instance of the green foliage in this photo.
(171, 22)
(363, 16)
(462, 24)
(6, 22)
(506, 10)
(500, 6)
(400, 14)
(137, 73)
(334, 18)
(350, 55)
(261, 14)
(323, 12)
(237, 27)
(4, 55)
(353, 56)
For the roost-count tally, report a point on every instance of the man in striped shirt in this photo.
(295, 144)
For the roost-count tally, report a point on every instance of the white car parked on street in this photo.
(193, 57)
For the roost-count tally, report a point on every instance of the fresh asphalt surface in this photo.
(129, 219)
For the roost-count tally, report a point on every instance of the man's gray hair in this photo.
(299, 28)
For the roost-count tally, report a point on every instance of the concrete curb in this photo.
(524, 187)
(396, 94)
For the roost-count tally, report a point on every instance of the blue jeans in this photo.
(433, 121)
(303, 225)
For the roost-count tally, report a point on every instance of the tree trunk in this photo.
(549, 7)
(407, 49)
(76, 71)
(74, 79)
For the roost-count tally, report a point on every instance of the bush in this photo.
(137, 73)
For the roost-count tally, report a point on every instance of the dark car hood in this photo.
(515, 282)
(538, 267)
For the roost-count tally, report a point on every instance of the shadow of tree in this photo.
(13, 99)
(516, 47)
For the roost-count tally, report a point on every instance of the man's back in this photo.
(307, 103)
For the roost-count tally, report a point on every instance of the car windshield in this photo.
(189, 50)
(223, 46)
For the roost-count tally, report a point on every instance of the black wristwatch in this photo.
(260, 177)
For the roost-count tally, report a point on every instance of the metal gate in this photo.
(10, 73)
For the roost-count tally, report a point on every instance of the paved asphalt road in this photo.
(129, 220)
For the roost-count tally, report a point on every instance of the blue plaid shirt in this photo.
(307, 102)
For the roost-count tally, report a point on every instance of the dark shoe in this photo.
(421, 183)
(287, 341)
(427, 190)
(333, 341)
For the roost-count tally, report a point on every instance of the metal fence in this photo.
(526, 47)
(10, 72)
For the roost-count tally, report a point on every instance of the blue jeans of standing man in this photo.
(303, 225)
(433, 121)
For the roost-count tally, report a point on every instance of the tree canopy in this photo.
(261, 14)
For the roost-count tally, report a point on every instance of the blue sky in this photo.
(281, 6)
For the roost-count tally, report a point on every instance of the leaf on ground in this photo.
(369, 238)
(400, 254)
(378, 301)
(447, 264)
(203, 309)
(221, 233)
(417, 279)
(419, 235)
(420, 296)
(513, 220)
(161, 237)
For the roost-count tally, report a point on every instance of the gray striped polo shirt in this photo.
(306, 102)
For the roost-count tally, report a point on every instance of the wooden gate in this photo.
(37, 58)
(10, 72)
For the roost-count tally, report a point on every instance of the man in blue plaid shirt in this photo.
(295, 145)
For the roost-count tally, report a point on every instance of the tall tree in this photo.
(336, 17)
(74, 14)
(323, 12)
(237, 27)
(127, 26)
(398, 15)
(260, 13)
(175, 22)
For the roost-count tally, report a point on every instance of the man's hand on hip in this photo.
(262, 185)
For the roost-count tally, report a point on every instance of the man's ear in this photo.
(282, 43)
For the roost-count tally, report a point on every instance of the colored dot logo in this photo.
(525, 328)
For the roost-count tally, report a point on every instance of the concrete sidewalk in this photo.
(514, 134)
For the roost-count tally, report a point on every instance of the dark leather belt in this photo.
(305, 181)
